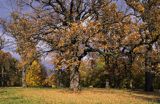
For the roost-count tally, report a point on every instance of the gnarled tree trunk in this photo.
(75, 79)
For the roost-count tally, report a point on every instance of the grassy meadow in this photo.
(86, 96)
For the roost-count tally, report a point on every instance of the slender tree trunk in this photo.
(130, 77)
(2, 80)
(24, 78)
(148, 81)
(75, 79)
(59, 78)
(148, 73)
(107, 67)
(113, 74)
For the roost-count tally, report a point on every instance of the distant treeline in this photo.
(93, 73)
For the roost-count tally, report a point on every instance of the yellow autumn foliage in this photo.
(34, 75)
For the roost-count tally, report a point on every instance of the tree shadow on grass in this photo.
(153, 97)
(12, 98)
(2, 92)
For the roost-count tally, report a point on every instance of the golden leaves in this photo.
(133, 38)
(137, 5)
(140, 49)
(140, 7)
(34, 74)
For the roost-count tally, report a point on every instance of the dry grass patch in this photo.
(91, 96)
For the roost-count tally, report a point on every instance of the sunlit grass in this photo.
(86, 96)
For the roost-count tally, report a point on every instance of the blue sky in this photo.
(5, 8)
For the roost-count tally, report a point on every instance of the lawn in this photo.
(86, 96)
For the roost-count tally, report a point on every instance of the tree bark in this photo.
(24, 78)
(2, 79)
(75, 79)
(130, 77)
(148, 81)
(59, 78)
(148, 73)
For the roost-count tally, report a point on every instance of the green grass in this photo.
(86, 96)
(13, 96)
